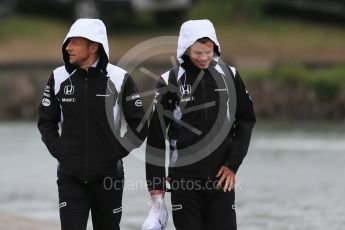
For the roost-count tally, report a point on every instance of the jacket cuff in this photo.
(157, 183)
(234, 168)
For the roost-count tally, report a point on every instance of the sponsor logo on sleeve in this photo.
(155, 97)
(46, 94)
(45, 102)
(135, 96)
(138, 103)
(47, 89)
(247, 92)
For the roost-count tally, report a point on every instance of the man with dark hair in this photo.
(207, 113)
(87, 97)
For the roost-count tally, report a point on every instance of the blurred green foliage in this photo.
(18, 26)
(222, 11)
(327, 82)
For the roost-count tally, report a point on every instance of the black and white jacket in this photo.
(194, 120)
(88, 105)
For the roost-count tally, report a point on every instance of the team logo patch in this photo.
(45, 102)
(69, 100)
(69, 89)
(185, 89)
(138, 103)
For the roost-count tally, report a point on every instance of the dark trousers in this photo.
(203, 210)
(102, 197)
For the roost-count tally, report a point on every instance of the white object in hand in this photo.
(158, 215)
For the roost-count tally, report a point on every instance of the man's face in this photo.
(80, 51)
(201, 54)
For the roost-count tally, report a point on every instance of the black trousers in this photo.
(103, 197)
(203, 210)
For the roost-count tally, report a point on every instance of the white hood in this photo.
(193, 30)
(92, 29)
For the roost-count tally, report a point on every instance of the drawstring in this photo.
(69, 77)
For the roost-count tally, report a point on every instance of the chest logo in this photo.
(69, 89)
(185, 89)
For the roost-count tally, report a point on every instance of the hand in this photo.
(158, 215)
(227, 176)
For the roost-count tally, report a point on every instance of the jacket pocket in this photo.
(54, 147)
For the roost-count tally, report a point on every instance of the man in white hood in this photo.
(209, 116)
(86, 97)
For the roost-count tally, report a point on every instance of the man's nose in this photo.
(68, 47)
(203, 57)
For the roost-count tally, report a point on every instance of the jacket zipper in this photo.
(206, 114)
(86, 133)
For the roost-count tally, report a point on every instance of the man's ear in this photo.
(94, 46)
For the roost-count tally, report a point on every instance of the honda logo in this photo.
(69, 89)
(185, 89)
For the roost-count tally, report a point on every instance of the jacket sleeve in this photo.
(156, 145)
(242, 127)
(49, 114)
(132, 107)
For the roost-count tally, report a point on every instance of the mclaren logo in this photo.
(69, 89)
(185, 89)
(45, 102)
(138, 103)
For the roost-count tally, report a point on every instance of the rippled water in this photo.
(292, 179)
